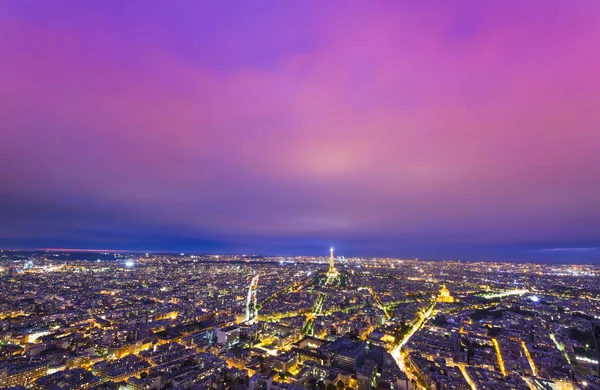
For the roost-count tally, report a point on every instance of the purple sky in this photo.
(433, 129)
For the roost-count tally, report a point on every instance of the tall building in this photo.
(332, 273)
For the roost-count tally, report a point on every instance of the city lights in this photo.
(534, 298)
(288, 195)
(291, 311)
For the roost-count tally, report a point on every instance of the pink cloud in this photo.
(391, 121)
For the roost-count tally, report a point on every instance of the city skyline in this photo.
(231, 322)
(465, 131)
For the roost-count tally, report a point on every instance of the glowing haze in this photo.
(468, 130)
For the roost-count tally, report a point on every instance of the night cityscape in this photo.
(195, 322)
(282, 195)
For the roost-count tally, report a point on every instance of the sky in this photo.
(431, 129)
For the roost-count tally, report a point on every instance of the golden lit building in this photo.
(445, 296)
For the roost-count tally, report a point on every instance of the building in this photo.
(75, 379)
(350, 358)
(228, 336)
(21, 372)
(286, 362)
(366, 375)
(445, 296)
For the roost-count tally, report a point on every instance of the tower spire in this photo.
(331, 264)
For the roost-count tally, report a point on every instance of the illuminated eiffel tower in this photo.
(332, 273)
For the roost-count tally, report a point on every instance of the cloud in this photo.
(592, 249)
(359, 121)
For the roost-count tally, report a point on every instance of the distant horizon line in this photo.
(158, 252)
(173, 251)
